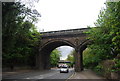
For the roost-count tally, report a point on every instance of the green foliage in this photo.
(19, 36)
(105, 37)
(116, 67)
(88, 59)
(55, 57)
(71, 58)
(98, 69)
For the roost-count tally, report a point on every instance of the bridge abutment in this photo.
(39, 62)
(47, 64)
(43, 60)
(78, 61)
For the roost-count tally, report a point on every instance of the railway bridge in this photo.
(75, 38)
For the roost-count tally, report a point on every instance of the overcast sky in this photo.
(65, 50)
(67, 14)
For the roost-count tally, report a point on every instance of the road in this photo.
(35, 75)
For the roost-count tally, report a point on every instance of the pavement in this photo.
(86, 74)
(16, 72)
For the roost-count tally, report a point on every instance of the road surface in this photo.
(37, 75)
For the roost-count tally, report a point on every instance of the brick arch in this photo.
(75, 38)
(57, 43)
(47, 48)
(84, 44)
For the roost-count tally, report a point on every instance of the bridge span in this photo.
(75, 38)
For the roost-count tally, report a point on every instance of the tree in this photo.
(71, 58)
(19, 36)
(105, 37)
(55, 57)
(90, 60)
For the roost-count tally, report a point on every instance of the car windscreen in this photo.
(64, 67)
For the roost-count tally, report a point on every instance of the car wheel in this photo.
(67, 71)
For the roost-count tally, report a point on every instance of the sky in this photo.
(65, 50)
(67, 14)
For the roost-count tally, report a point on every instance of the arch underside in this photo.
(50, 45)
(43, 61)
(46, 50)
(83, 45)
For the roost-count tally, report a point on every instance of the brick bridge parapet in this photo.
(64, 32)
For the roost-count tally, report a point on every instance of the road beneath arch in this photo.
(53, 74)
(36, 75)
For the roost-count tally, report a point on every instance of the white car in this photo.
(64, 69)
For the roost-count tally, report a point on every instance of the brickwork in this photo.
(75, 38)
